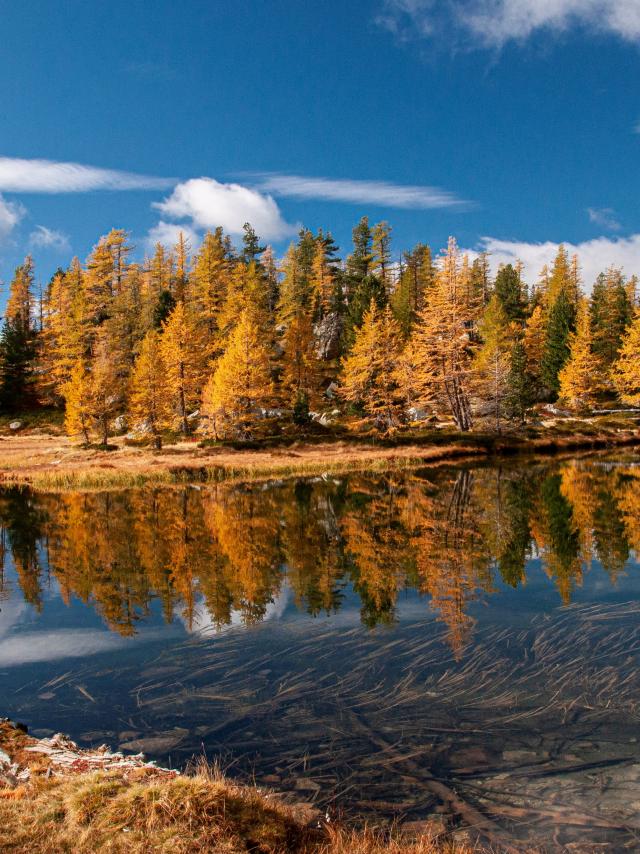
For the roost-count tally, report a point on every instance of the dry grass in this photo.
(105, 812)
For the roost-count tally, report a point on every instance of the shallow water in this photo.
(462, 641)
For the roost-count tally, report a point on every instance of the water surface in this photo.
(461, 641)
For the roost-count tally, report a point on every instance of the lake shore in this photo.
(49, 461)
(56, 797)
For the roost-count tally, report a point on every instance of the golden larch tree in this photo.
(442, 346)
(241, 384)
(150, 400)
(371, 371)
(185, 360)
(581, 378)
(626, 371)
(78, 401)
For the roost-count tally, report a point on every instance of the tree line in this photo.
(230, 339)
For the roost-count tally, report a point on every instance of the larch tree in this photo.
(381, 251)
(241, 385)
(441, 347)
(581, 379)
(77, 393)
(182, 256)
(626, 371)
(533, 342)
(184, 358)
(301, 375)
(371, 373)
(150, 401)
(209, 282)
(493, 359)
(105, 383)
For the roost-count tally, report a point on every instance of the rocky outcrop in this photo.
(328, 333)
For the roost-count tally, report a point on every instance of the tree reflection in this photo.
(453, 535)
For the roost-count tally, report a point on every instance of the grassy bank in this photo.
(50, 807)
(53, 462)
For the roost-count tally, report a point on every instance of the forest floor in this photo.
(55, 797)
(41, 456)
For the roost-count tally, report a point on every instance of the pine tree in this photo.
(184, 360)
(561, 320)
(611, 314)
(251, 249)
(370, 374)
(150, 399)
(78, 401)
(241, 384)
(324, 279)
(417, 274)
(519, 395)
(580, 379)
(508, 289)
(626, 372)
(18, 343)
(17, 357)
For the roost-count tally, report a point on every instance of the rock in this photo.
(15, 425)
(139, 430)
(519, 755)
(120, 424)
(431, 828)
(328, 333)
(161, 743)
(415, 413)
(331, 391)
(307, 785)
(193, 415)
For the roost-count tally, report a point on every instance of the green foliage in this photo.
(560, 324)
(508, 290)
(165, 305)
(17, 357)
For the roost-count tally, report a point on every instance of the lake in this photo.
(461, 641)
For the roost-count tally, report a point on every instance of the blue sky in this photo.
(510, 123)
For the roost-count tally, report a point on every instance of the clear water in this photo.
(459, 641)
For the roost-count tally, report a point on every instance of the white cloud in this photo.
(209, 204)
(49, 238)
(605, 217)
(167, 233)
(48, 176)
(495, 22)
(594, 255)
(360, 192)
(10, 215)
